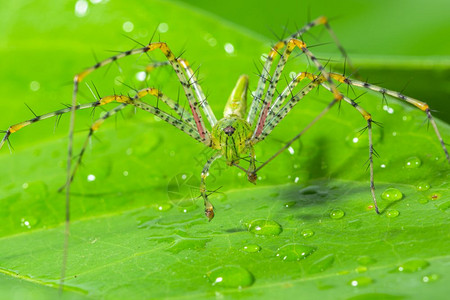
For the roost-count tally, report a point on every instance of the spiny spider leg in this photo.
(321, 79)
(192, 80)
(265, 72)
(286, 92)
(94, 127)
(199, 92)
(186, 124)
(419, 104)
(16, 127)
(185, 117)
(204, 134)
(209, 208)
(175, 65)
(267, 101)
(281, 113)
(322, 21)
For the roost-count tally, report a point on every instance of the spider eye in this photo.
(229, 130)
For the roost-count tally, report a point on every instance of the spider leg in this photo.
(323, 21)
(288, 91)
(209, 208)
(202, 131)
(151, 66)
(173, 61)
(419, 104)
(94, 127)
(369, 121)
(199, 92)
(317, 118)
(16, 127)
(186, 124)
(293, 43)
(265, 72)
(192, 80)
(270, 124)
(185, 117)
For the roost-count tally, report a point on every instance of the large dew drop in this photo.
(231, 277)
(337, 213)
(392, 194)
(265, 227)
(413, 162)
(251, 248)
(292, 252)
(413, 266)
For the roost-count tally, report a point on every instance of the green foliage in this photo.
(138, 230)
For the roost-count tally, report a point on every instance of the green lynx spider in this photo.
(235, 135)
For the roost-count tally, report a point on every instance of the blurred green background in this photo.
(138, 161)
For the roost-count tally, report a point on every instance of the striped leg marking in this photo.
(265, 73)
(209, 208)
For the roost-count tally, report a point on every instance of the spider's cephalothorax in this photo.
(231, 135)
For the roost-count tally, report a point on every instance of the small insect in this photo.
(234, 136)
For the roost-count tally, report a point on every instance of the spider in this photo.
(236, 134)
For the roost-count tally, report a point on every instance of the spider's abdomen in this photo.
(230, 136)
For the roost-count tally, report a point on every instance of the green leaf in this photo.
(138, 228)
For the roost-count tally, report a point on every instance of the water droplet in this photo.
(413, 266)
(265, 227)
(366, 260)
(322, 264)
(392, 194)
(413, 162)
(423, 186)
(392, 213)
(81, 8)
(210, 40)
(306, 233)
(229, 48)
(90, 177)
(35, 86)
(430, 278)
(444, 206)
(291, 150)
(28, 222)
(162, 207)
(407, 118)
(252, 248)
(292, 252)
(358, 140)
(163, 27)
(128, 26)
(230, 276)
(389, 109)
(361, 281)
(289, 204)
(337, 213)
(141, 76)
(188, 209)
